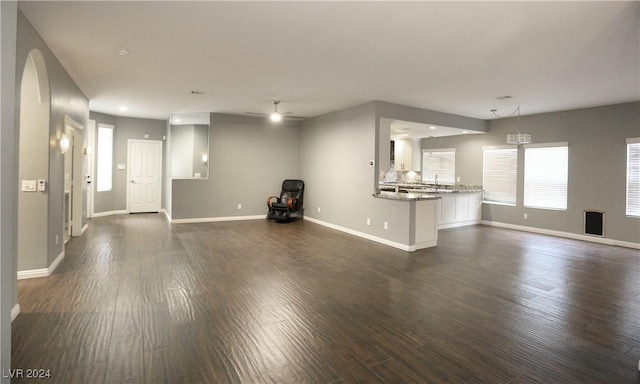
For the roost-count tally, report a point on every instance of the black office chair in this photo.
(290, 203)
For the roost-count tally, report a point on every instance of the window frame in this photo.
(447, 174)
(565, 181)
(632, 178)
(513, 182)
(104, 168)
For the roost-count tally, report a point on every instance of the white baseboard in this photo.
(110, 213)
(212, 219)
(166, 214)
(15, 311)
(568, 235)
(404, 247)
(42, 272)
(84, 229)
(459, 224)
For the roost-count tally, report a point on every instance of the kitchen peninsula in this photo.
(434, 207)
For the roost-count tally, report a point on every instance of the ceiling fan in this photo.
(276, 115)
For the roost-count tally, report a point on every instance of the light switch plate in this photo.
(28, 185)
(121, 166)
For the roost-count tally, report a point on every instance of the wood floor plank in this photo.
(138, 300)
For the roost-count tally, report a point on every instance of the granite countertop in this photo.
(426, 188)
(405, 196)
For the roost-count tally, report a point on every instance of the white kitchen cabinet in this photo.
(460, 209)
(403, 150)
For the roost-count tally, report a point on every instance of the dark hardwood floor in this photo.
(137, 300)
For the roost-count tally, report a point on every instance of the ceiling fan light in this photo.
(275, 116)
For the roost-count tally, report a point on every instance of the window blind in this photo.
(440, 162)
(633, 177)
(545, 176)
(500, 175)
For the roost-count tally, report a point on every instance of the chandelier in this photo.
(519, 138)
(515, 138)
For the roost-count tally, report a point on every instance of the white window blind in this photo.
(440, 162)
(500, 174)
(545, 176)
(633, 177)
(104, 175)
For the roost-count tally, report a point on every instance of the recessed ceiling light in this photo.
(432, 127)
(123, 52)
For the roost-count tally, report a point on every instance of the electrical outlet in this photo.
(386, 225)
(526, 216)
(239, 206)
(368, 221)
(318, 209)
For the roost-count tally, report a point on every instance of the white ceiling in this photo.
(318, 57)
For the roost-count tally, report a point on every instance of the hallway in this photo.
(138, 300)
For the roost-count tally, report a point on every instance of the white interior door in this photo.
(145, 176)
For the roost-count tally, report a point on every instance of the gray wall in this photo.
(8, 178)
(597, 166)
(66, 99)
(125, 128)
(248, 159)
(335, 150)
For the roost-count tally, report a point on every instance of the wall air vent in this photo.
(594, 223)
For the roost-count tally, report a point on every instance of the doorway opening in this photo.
(73, 180)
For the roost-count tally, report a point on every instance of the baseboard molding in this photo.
(404, 247)
(110, 213)
(212, 219)
(460, 224)
(166, 214)
(568, 235)
(42, 272)
(84, 229)
(15, 311)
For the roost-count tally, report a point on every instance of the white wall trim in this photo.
(569, 235)
(166, 214)
(42, 272)
(84, 229)
(404, 247)
(459, 224)
(212, 219)
(15, 311)
(109, 213)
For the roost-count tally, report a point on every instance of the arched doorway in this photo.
(33, 164)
